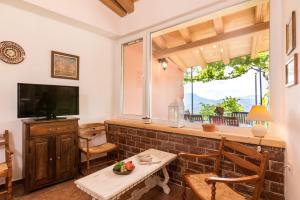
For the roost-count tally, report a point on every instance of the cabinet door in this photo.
(41, 161)
(65, 156)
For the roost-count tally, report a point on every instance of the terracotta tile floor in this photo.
(67, 190)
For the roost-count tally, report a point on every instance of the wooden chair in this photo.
(242, 117)
(87, 134)
(211, 186)
(221, 120)
(6, 167)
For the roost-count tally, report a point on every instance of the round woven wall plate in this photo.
(11, 52)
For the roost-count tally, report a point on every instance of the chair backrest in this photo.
(242, 117)
(91, 129)
(4, 141)
(221, 120)
(258, 167)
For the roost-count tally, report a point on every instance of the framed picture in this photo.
(291, 34)
(64, 65)
(291, 71)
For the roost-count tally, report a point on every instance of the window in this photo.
(217, 64)
(133, 80)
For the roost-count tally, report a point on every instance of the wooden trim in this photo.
(218, 38)
(63, 54)
(292, 22)
(127, 5)
(115, 7)
(295, 60)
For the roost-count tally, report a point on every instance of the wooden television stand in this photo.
(50, 151)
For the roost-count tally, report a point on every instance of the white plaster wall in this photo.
(38, 36)
(292, 111)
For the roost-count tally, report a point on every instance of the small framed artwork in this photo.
(291, 34)
(64, 65)
(291, 71)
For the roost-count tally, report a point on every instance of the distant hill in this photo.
(246, 102)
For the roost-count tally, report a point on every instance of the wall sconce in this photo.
(163, 62)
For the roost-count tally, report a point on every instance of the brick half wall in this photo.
(134, 140)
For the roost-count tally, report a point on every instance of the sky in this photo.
(238, 87)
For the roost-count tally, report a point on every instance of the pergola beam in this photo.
(160, 42)
(218, 24)
(254, 46)
(186, 35)
(225, 53)
(127, 5)
(115, 6)
(218, 38)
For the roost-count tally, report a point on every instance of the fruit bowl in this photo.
(123, 168)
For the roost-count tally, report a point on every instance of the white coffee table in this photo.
(105, 185)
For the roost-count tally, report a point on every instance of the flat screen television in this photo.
(47, 101)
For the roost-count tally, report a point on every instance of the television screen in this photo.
(49, 101)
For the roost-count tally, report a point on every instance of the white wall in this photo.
(292, 111)
(38, 36)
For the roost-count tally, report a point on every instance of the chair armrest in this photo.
(191, 155)
(244, 179)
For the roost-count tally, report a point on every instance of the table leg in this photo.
(164, 183)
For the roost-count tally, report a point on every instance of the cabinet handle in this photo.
(58, 157)
(50, 159)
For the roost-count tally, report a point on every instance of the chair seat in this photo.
(3, 169)
(103, 148)
(203, 190)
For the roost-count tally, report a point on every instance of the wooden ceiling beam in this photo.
(259, 12)
(127, 5)
(225, 53)
(223, 12)
(218, 38)
(200, 58)
(186, 35)
(115, 6)
(254, 46)
(160, 42)
(218, 25)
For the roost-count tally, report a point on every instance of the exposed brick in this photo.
(203, 143)
(123, 130)
(134, 140)
(132, 131)
(273, 176)
(140, 145)
(145, 140)
(197, 150)
(156, 142)
(151, 134)
(196, 167)
(245, 189)
(130, 143)
(276, 166)
(162, 136)
(176, 138)
(272, 196)
(277, 187)
(192, 141)
(277, 155)
(181, 147)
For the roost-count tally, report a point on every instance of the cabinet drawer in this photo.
(42, 129)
